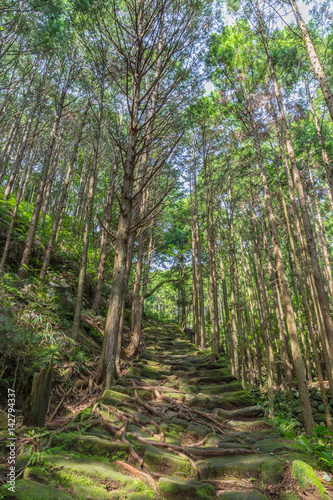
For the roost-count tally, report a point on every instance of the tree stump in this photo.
(37, 404)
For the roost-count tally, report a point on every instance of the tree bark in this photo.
(314, 59)
(323, 301)
(286, 296)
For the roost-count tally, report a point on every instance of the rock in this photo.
(91, 445)
(279, 446)
(319, 417)
(31, 490)
(316, 395)
(308, 480)
(243, 495)
(248, 412)
(220, 389)
(174, 488)
(62, 292)
(165, 462)
(326, 477)
(199, 429)
(112, 397)
(269, 469)
(321, 408)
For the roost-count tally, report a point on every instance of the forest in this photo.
(166, 201)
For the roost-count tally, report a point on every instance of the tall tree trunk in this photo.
(200, 276)
(225, 300)
(107, 367)
(323, 301)
(105, 234)
(326, 161)
(136, 318)
(6, 151)
(12, 224)
(194, 270)
(62, 199)
(314, 59)
(212, 260)
(286, 296)
(39, 198)
(323, 238)
(278, 311)
(234, 351)
(88, 215)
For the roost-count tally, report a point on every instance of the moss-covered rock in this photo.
(199, 429)
(248, 412)
(268, 469)
(273, 445)
(31, 490)
(109, 397)
(173, 488)
(39, 474)
(235, 399)
(288, 496)
(319, 417)
(222, 388)
(165, 462)
(307, 478)
(91, 445)
(243, 495)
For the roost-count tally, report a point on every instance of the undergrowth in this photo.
(286, 404)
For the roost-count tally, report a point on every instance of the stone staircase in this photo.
(177, 426)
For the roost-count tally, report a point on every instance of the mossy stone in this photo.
(269, 469)
(273, 445)
(165, 462)
(173, 488)
(83, 487)
(232, 400)
(220, 389)
(200, 429)
(319, 417)
(243, 495)
(37, 473)
(288, 496)
(31, 490)
(91, 445)
(307, 478)
(109, 397)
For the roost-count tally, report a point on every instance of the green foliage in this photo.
(320, 445)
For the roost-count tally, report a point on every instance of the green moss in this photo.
(273, 445)
(39, 474)
(82, 487)
(307, 478)
(176, 489)
(160, 460)
(268, 469)
(31, 490)
(90, 445)
(109, 397)
(220, 389)
(146, 395)
(243, 495)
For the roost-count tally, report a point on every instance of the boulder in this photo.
(174, 488)
(308, 480)
(63, 293)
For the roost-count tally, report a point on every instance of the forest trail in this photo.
(196, 432)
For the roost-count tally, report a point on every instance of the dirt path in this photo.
(177, 426)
